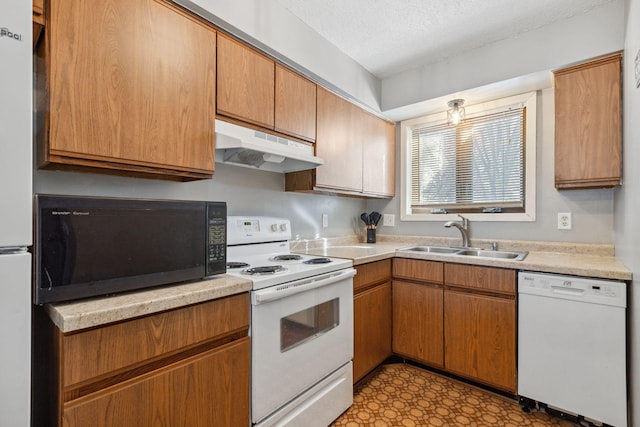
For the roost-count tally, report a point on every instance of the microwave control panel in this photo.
(216, 238)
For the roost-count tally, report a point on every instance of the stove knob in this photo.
(274, 227)
(283, 227)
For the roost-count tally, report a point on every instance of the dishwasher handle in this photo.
(576, 292)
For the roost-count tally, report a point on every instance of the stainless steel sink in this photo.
(432, 249)
(514, 256)
(507, 255)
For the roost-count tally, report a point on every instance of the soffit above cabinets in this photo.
(390, 36)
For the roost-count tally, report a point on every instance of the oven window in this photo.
(305, 325)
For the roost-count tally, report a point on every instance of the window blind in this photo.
(477, 164)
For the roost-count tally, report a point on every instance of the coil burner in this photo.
(237, 264)
(317, 261)
(286, 257)
(267, 269)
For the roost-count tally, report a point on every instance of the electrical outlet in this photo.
(389, 220)
(325, 220)
(564, 221)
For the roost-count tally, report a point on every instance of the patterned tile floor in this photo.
(404, 395)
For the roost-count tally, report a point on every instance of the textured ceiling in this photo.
(390, 36)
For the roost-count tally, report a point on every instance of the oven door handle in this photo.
(285, 290)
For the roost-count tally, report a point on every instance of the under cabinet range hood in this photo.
(246, 147)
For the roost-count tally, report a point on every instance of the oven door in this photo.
(301, 332)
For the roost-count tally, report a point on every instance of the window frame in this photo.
(529, 99)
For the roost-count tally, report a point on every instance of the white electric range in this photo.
(301, 325)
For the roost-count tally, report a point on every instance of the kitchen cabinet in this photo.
(295, 105)
(38, 20)
(418, 311)
(378, 156)
(458, 318)
(253, 89)
(188, 366)
(245, 83)
(338, 143)
(480, 324)
(358, 150)
(372, 317)
(124, 95)
(588, 125)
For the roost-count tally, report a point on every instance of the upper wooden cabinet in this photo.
(588, 132)
(245, 83)
(358, 150)
(295, 111)
(254, 89)
(125, 94)
(379, 157)
(338, 144)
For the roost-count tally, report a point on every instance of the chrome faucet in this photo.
(463, 226)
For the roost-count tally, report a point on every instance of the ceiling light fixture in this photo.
(456, 114)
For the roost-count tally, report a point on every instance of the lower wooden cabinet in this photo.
(184, 367)
(372, 317)
(480, 338)
(480, 324)
(458, 318)
(417, 322)
(209, 389)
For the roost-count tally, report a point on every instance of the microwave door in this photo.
(59, 255)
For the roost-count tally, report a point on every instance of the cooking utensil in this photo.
(365, 218)
(375, 217)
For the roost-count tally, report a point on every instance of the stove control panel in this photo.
(258, 229)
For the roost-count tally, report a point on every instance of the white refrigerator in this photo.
(15, 211)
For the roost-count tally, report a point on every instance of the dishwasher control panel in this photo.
(569, 287)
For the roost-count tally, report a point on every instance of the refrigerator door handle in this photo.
(10, 250)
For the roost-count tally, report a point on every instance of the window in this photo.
(484, 167)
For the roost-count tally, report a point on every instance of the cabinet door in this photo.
(417, 322)
(480, 338)
(246, 79)
(379, 154)
(210, 389)
(125, 91)
(338, 143)
(588, 132)
(372, 329)
(295, 111)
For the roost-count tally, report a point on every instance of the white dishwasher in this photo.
(572, 346)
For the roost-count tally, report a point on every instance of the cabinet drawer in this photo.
(483, 278)
(412, 269)
(371, 274)
(210, 389)
(109, 349)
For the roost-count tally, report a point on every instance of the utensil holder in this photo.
(371, 235)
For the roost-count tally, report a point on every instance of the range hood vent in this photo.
(246, 147)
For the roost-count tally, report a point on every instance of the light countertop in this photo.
(73, 316)
(585, 260)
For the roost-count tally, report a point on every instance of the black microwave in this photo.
(91, 246)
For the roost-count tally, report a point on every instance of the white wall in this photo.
(246, 191)
(584, 36)
(627, 199)
(592, 210)
(278, 29)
